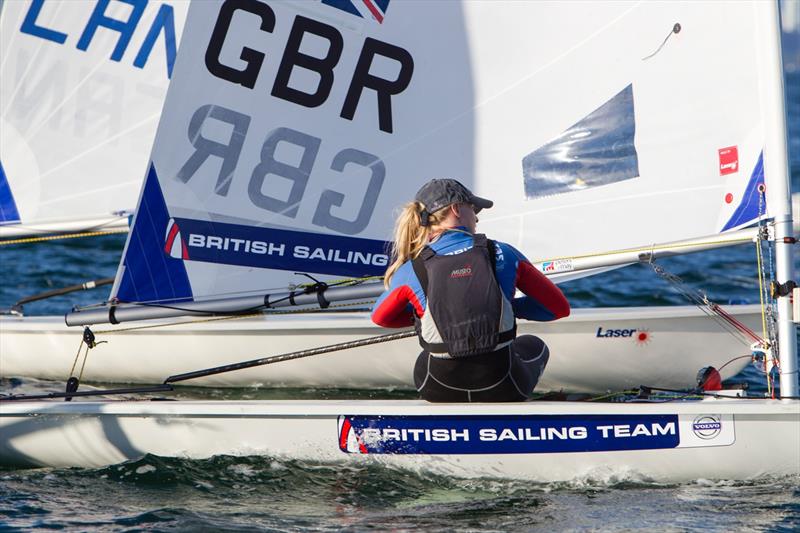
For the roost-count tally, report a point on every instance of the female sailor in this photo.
(457, 288)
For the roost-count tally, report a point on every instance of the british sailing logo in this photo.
(375, 9)
(174, 245)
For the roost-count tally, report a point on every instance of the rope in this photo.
(198, 321)
(91, 343)
(85, 358)
(234, 317)
(77, 355)
(766, 308)
(761, 289)
(712, 309)
(63, 236)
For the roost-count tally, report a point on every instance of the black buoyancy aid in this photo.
(467, 312)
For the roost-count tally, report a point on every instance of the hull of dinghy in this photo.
(541, 441)
(594, 350)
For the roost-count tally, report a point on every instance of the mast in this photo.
(778, 183)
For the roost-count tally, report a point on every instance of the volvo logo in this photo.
(707, 426)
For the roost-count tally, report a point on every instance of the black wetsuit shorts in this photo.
(505, 375)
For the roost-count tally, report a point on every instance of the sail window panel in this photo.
(597, 150)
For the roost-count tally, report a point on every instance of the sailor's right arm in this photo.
(543, 300)
(397, 305)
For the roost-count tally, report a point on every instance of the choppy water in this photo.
(267, 494)
(253, 494)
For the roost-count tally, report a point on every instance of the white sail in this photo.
(82, 84)
(294, 130)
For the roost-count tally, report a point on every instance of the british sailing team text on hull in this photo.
(712, 439)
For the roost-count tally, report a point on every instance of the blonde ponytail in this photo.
(410, 237)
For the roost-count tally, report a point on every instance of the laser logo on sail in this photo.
(728, 160)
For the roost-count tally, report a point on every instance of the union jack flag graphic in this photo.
(375, 9)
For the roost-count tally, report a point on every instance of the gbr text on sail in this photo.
(308, 71)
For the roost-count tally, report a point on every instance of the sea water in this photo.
(269, 494)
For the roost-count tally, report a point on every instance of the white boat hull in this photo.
(670, 442)
(665, 347)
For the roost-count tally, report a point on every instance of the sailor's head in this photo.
(440, 193)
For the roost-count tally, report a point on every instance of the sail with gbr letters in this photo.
(81, 90)
(293, 131)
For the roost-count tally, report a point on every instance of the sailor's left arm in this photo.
(395, 308)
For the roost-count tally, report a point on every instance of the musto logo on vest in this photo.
(462, 272)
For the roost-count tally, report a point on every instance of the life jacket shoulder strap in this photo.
(481, 241)
(418, 263)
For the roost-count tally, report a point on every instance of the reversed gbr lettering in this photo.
(226, 156)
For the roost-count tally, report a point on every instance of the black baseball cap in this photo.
(439, 193)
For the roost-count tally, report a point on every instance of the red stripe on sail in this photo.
(173, 231)
(374, 10)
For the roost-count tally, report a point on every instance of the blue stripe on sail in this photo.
(747, 210)
(597, 150)
(8, 207)
(280, 249)
(150, 274)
